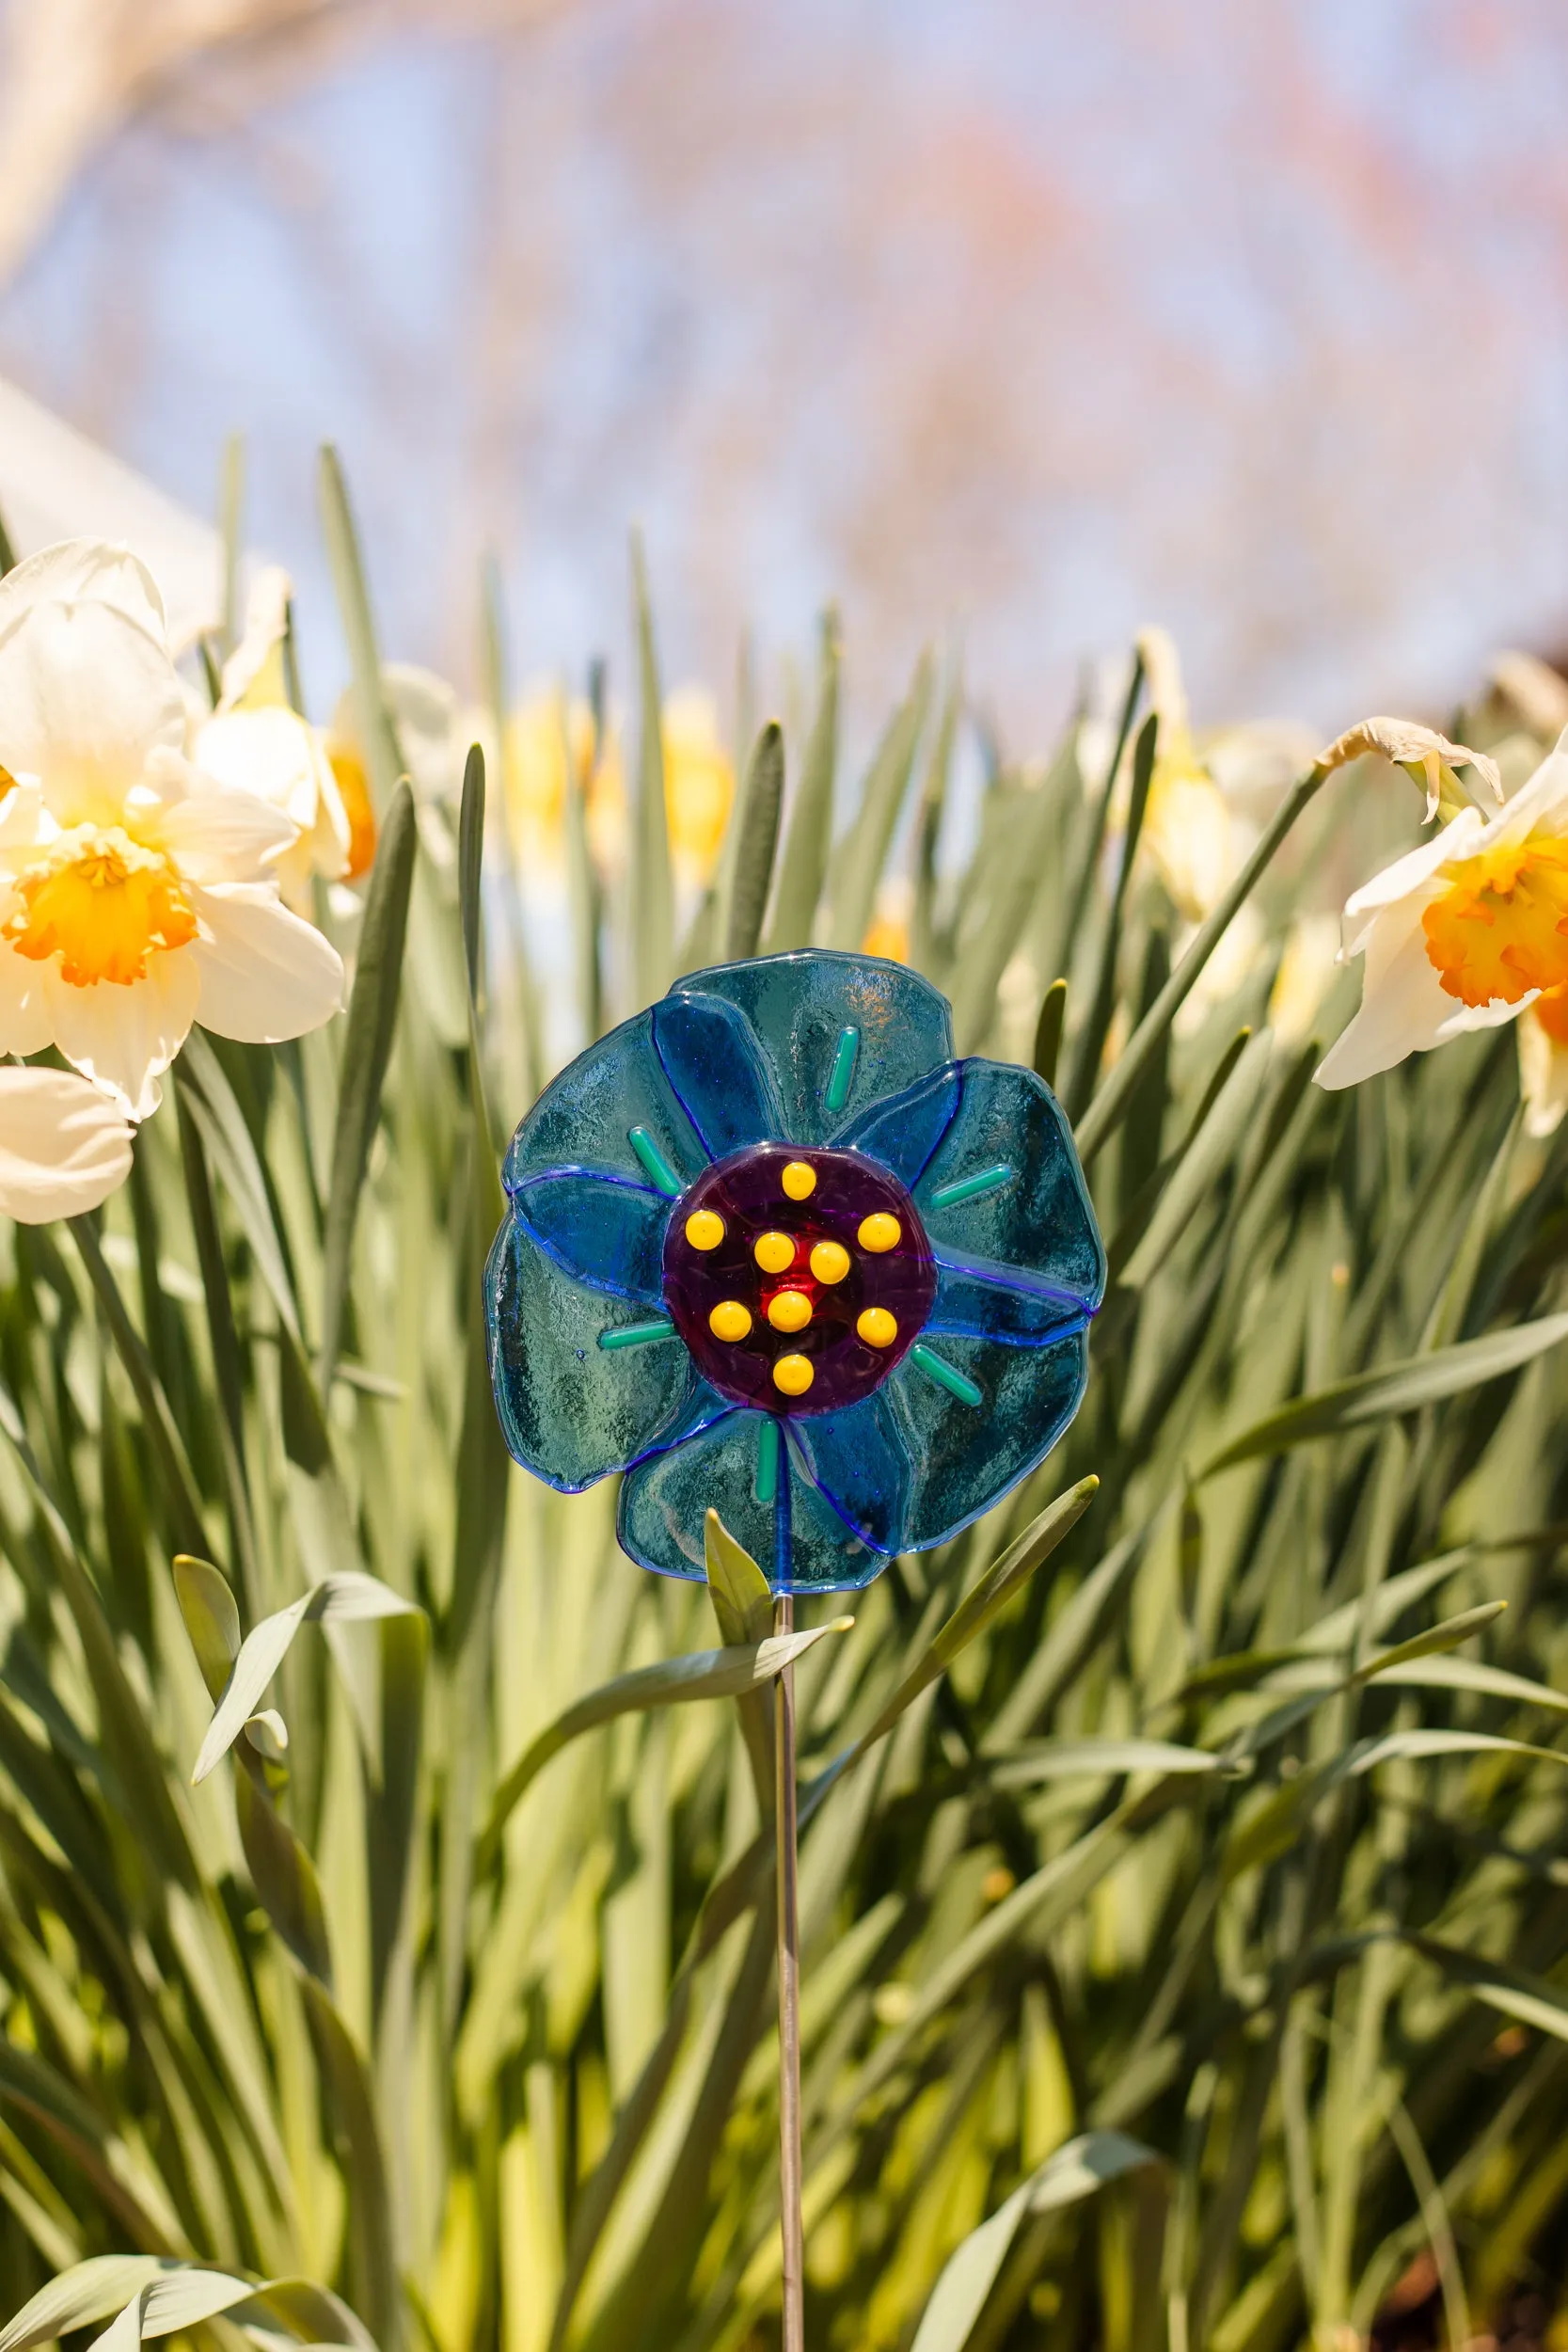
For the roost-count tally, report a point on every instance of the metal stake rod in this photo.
(791, 2221)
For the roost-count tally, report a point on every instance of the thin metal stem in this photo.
(791, 2221)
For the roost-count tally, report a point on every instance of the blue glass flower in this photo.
(771, 1248)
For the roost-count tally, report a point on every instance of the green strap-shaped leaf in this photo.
(993, 1591)
(373, 1013)
(383, 757)
(1104, 1113)
(336, 1600)
(861, 857)
(1069, 1760)
(1211, 1148)
(1383, 1395)
(1074, 2172)
(756, 838)
(704, 1673)
(1089, 1045)
(810, 821)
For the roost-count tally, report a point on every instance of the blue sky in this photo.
(1019, 321)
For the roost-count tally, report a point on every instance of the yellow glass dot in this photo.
(793, 1374)
(789, 1312)
(880, 1232)
(877, 1327)
(730, 1320)
(799, 1180)
(774, 1252)
(830, 1262)
(705, 1229)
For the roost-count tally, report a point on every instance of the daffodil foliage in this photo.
(385, 1871)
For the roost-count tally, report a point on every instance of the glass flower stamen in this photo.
(771, 1247)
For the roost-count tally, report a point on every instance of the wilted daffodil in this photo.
(771, 1248)
(1465, 932)
(64, 1147)
(136, 894)
(255, 741)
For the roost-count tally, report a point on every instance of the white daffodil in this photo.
(64, 1147)
(137, 896)
(256, 743)
(1463, 932)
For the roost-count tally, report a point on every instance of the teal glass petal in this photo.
(995, 1302)
(903, 1133)
(970, 1455)
(1038, 1220)
(586, 1118)
(601, 1229)
(800, 1006)
(729, 1466)
(571, 1408)
(719, 1072)
(859, 1462)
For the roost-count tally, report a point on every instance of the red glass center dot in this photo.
(735, 1296)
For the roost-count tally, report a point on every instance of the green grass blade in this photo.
(804, 865)
(756, 838)
(373, 1012)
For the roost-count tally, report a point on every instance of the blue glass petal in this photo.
(903, 1130)
(585, 1117)
(571, 1410)
(857, 1460)
(665, 1497)
(993, 1302)
(800, 1005)
(603, 1229)
(1040, 1220)
(970, 1455)
(720, 1074)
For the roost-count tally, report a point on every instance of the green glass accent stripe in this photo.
(946, 1376)
(656, 1165)
(636, 1334)
(843, 1074)
(767, 1459)
(970, 1187)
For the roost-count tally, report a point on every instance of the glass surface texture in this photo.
(772, 1249)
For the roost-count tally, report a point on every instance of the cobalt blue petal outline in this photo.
(1041, 1223)
(572, 1411)
(904, 1132)
(858, 1462)
(989, 1302)
(603, 1230)
(585, 1116)
(801, 1004)
(718, 1073)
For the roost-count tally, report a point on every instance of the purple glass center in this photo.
(850, 1311)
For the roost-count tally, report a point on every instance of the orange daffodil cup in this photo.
(138, 892)
(1469, 932)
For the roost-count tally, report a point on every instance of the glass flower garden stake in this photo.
(770, 1249)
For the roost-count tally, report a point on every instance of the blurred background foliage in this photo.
(1198, 1912)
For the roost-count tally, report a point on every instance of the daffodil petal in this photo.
(1541, 802)
(64, 1147)
(83, 571)
(222, 837)
(1407, 874)
(86, 695)
(23, 1014)
(124, 1037)
(1403, 1008)
(263, 973)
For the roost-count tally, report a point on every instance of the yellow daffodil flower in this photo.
(1463, 932)
(549, 736)
(699, 785)
(136, 894)
(64, 1147)
(888, 932)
